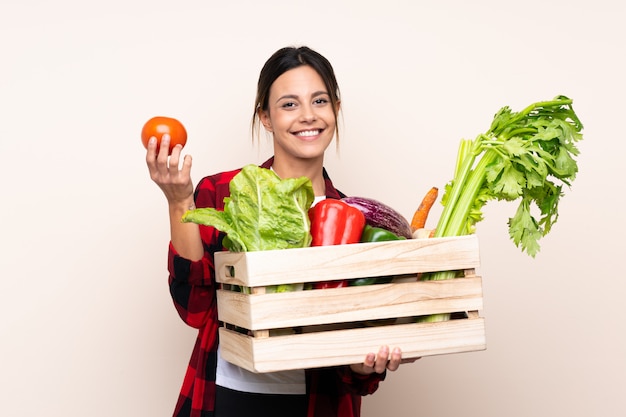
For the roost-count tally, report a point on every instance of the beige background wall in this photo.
(86, 322)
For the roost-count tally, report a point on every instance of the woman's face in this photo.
(299, 115)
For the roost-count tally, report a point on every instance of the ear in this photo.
(265, 119)
(338, 106)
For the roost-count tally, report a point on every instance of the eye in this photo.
(288, 104)
(321, 99)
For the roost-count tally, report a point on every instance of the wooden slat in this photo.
(342, 347)
(286, 266)
(349, 304)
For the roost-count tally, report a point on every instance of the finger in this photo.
(370, 360)
(163, 153)
(186, 168)
(368, 365)
(173, 164)
(151, 160)
(151, 154)
(381, 359)
(395, 360)
(163, 158)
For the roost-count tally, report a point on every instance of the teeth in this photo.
(308, 133)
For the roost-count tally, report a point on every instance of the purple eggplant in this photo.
(378, 214)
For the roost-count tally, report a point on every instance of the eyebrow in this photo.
(294, 96)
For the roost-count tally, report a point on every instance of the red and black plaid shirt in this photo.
(334, 391)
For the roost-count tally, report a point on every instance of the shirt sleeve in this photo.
(360, 384)
(192, 283)
(337, 391)
(191, 287)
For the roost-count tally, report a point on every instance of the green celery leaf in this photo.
(524, 229)
(504, 180)
(476, 211)
(547, 199)
(514, 146)
(565, 165)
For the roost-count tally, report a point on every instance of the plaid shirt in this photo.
(334, 391)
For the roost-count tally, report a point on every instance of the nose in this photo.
(308, 114)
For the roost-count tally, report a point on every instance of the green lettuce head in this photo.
(263, 212)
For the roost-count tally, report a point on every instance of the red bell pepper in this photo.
(322, 285)
(334, 222)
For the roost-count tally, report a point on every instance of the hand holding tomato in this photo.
(159, 126)
(164, 164)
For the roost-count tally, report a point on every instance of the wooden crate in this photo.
(340, 326)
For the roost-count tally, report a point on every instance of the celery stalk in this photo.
(527, 156)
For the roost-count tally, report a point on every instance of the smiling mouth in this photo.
(308, 133)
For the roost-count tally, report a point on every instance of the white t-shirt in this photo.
(283, 382)
(317, 199)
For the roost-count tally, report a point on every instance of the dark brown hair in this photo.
(289, 58)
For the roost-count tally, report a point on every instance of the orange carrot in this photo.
(421, 214)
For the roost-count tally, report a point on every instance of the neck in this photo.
(312, 169)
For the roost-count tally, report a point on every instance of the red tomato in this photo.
(158, 126)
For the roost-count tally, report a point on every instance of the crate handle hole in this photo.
(230, 271)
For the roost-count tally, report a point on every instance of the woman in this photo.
(297, 103)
